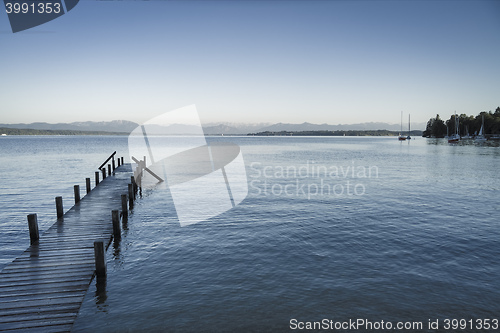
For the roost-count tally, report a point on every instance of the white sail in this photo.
(455, 137)
(480, 136)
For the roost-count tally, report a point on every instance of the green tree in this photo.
(435, 128)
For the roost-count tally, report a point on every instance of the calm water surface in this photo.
(411, 235)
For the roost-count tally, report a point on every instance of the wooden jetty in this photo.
(42, 290)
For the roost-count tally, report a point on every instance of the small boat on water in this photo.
(408, 137)
(467, 135)
(455, 137)
(401, 137)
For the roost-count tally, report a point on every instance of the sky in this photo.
(335, 62)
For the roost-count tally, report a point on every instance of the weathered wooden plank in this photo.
(27, 274)
(78, 230)
(18, 268)
(66, 245)
(13, 298)
(35, 303)
(61, 308)
(46, 286)
(41, 293)
(47, 263)
(35, 324)
(54, 255)
(46, 279)
(61, 251)
(36, 316)
(53, 278)
(20, 273)
(43, 281)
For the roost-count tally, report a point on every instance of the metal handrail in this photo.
(112, 156)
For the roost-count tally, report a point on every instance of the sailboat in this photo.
(401, 137)
(408, 137)
(455, 137)
(467, 135)
(480, 136)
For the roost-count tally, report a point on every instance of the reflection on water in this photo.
(464, 142)
(100, 294)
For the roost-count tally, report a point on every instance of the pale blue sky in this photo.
(254, 61)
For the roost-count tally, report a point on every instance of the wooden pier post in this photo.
(96, 178)
(132, 180)
(77, 193)
(115, 216)
(109, 169)
(119, 162)
(113, 163)
(122, 160)
(33, 227)
(87, 184)
(100, 259)
(103, 173)
(124, 204)
(131, 195)
(59, 207)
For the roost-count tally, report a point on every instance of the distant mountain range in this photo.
(124, 126)
(341, 127)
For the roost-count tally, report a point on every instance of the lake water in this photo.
(337, 228)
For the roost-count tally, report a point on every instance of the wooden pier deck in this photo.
(42, 290)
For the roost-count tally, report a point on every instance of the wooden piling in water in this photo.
(131, 195)
(103, 170)
(122, 160)
(109, 169)
(113, 163)
(87, 185)
(77, 193)
(59, 207)
(132, 180)
(100, 259)
(115, 216)
(33, 227)
(96, 178)
(124, 204)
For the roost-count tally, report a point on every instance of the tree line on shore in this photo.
(438, 128)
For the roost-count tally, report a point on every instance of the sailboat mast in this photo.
(401, 122)
(455, 123)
